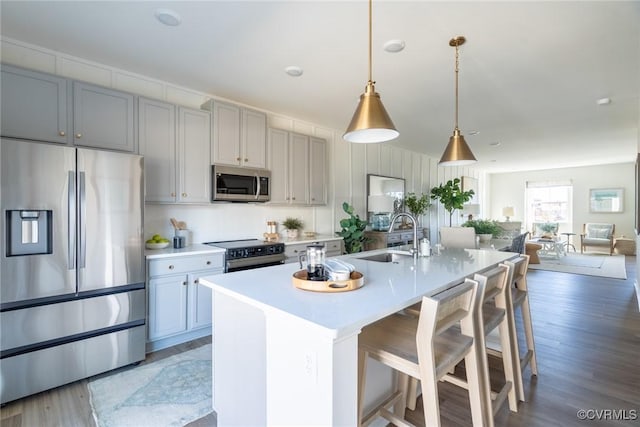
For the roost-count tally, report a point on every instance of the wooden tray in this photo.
(355, 282)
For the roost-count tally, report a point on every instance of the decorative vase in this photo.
(292, 234)
(485, 238)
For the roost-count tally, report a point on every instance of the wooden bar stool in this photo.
(493, 315)
(520, 299)
(426, 348)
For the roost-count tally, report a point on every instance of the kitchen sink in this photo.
(391, 256)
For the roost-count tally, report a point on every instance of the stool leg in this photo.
(528, 330)
(412, 393)
(508, 362)
(402, 385)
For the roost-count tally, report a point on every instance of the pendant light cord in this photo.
(457, 69)
(370, 36)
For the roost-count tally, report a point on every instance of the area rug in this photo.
(169, 392)
(590, 265)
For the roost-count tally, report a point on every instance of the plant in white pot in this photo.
(486, 229)
(293, 227)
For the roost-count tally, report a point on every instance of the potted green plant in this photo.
(451, 196)
(352, 230)
(486, 229)
(293, 227)
(417, 206)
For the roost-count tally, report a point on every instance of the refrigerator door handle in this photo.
(71, 221)
(82, 221)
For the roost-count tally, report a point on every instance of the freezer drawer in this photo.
(37, 371)
(54, 321)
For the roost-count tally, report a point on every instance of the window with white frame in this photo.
(549, 201)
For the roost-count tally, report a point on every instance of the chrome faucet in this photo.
(414, 249)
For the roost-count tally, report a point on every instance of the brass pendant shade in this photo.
(457, 152)
(371, 122)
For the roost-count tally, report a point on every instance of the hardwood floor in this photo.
(587, 332)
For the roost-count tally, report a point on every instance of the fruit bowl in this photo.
(157, 245)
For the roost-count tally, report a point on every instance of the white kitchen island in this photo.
(288, 357)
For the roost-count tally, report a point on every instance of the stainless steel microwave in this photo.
(236, 184)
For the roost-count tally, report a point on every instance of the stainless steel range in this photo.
(250, 253)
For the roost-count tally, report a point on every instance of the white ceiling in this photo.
(530, 72)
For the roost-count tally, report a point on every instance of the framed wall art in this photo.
(606, 200)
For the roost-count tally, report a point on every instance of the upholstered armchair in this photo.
(597, 234)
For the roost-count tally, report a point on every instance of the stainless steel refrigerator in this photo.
(72, 271)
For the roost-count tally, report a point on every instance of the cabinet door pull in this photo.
(62, 133)
(246, 160)
(78, 135)
(208, 262)
(238, 158)
(184, 194)
(196, 281)
(184, 283)
(171, 267)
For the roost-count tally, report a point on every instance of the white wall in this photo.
(348, 164)
(508, 189)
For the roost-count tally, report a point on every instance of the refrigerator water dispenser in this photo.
(29, 232)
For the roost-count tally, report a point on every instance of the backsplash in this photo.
(225, 221)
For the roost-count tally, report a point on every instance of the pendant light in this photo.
(370, 122)
(457, 152)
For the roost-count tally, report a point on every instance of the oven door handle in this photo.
(257, 262)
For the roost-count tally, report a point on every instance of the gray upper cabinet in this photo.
(102, 118)
(175, 142)
(317, 171)
(34, 105)
(239, 135)
(298, 168)
(44, 107)
(157, 143)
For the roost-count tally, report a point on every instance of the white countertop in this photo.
(388, 288)
(195, 249)
(305, 240)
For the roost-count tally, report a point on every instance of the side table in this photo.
(566, 245)
(625, 246)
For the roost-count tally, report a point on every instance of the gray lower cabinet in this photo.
(180, 309)
(382, 239)
(43, 107)
(292, 251)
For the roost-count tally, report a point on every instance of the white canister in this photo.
(425, 247)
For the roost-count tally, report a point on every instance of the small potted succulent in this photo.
(293, 227)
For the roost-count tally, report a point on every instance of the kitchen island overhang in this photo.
(285, 356)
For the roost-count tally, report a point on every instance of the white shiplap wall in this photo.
(348, 164)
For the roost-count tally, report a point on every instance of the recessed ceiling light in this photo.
(294, 71)
(604, 101)
(394, 46)
(495, 144)
(474, 132)
(168, 17)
